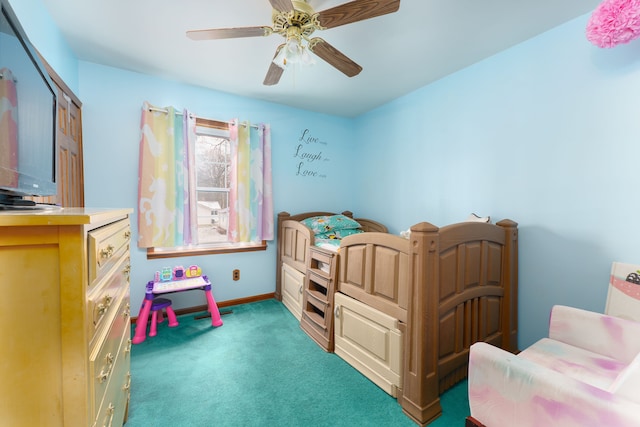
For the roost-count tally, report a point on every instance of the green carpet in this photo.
(258, 369)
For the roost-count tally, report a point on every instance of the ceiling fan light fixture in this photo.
(293, 52)
(294, 49)
(281, 58)
(307, 59)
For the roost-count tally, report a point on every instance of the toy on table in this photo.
(175, 279)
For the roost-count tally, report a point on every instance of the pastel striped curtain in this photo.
(166, 183)
(251, 193)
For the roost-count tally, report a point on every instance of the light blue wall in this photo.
(47, 38)
(112, 101)
(547, 134)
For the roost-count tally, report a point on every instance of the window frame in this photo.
(206, 248)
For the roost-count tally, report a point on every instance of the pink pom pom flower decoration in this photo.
(614, 22)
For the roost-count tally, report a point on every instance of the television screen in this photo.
(27, 116)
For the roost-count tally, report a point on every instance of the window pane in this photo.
(212, 217)
(212, 184)
(212, 159)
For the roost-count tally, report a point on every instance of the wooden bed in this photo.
(294, 241)
(407, 310)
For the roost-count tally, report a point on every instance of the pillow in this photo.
(324, 224)
(338, 234)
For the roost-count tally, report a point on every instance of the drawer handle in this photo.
(104, 375)
(127, 350)
(109, 359)
(111, 410)
(126, 312)
(337, 312)
(102, 309)
(127, 234)
(127, 386)
(107, 252)
(104, 306)
(300, 290)
(126, 272)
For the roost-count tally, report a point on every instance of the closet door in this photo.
(69, 167)
(69, 136)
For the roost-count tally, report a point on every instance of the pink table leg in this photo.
(141, 322)
(213, 309)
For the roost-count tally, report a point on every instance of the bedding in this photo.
(330, 230)
(331, 239)
(325, 224)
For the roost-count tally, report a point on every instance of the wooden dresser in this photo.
(64, 317)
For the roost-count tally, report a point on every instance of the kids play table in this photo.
(155, 288)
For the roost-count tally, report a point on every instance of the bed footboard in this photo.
(463, 289)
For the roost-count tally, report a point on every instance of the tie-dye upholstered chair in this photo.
(587, 373)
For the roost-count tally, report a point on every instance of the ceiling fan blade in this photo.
(274, 72)
(282, 5)
(355, 11)
(229, 33)
(334, 57)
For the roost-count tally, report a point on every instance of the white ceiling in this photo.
(400, 52)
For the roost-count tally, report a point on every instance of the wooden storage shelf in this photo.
(317, 307)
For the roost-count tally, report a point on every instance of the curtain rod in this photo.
(164, 110)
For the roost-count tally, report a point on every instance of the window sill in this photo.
(227, 248)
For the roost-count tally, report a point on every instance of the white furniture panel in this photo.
(370, 341)
(292, 284)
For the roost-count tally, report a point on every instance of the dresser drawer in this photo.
(106, 245)
(111, 411)
(102, 300)
(109, 362)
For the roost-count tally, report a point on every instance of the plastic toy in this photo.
(194, 271)
(166, 274)
(178, 273)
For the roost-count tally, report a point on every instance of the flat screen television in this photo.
(27, 118)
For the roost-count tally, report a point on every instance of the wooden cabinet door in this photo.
(69, 167)
(70, 171)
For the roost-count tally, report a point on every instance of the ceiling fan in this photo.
(296, 21)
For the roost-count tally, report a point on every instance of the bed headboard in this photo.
(370, 225)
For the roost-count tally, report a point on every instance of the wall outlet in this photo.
(236, 275)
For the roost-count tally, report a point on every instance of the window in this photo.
(212, 183)
(212, 176)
